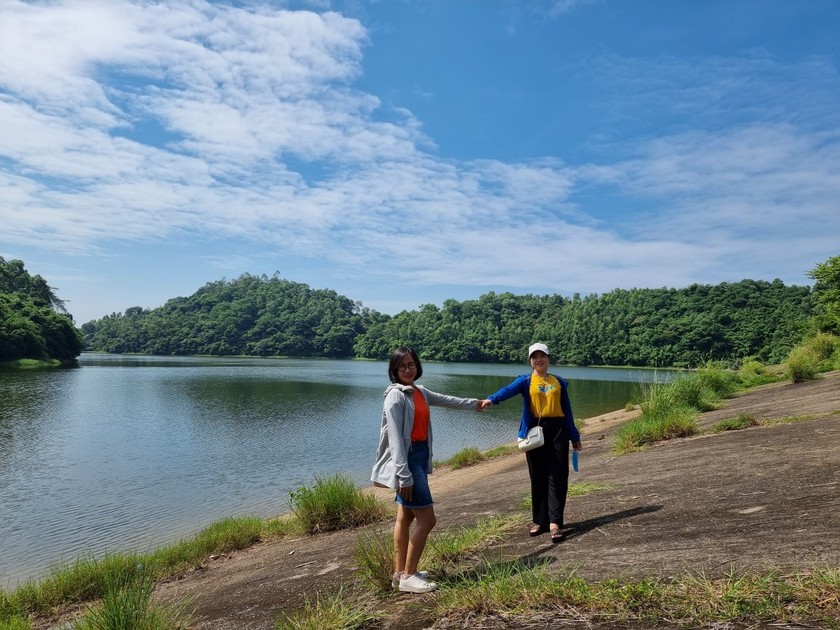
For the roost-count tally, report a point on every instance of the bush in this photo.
(722, 382)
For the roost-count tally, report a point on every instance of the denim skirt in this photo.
(418, 458)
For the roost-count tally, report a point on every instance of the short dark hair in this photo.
(396, 358)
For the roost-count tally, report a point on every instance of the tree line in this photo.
(271, 316)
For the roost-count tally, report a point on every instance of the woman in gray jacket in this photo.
(404, 459)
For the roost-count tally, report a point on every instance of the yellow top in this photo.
(545, 397)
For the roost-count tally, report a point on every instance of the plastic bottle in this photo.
(575, 461)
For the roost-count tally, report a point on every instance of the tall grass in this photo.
(466, 457)
(336, 611)
(661, 418)
(802, 364)
(335, 503)
(819, 353)
(752, 373)
(374, 557)
(374, 553)
(670, 411)
(126, 605)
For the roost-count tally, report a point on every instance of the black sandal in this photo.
(536, 530)
(557, 536)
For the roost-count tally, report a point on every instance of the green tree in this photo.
(33, 323)
(827, 293)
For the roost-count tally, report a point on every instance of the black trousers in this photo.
(548, 467)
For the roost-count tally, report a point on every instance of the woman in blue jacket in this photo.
(545, 402)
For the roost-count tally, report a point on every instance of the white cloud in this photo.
(257, 132)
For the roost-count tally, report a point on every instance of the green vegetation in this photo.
(474, 584)
(818, 353)
(827, 294)
(670, 411)
(89, 579)
(336, 611)
(466, 457)
(128, 604)
(752, 373)
(335, 503)
(540, 593)
(741, 421)
(329, 504)
(261, 316)
(33, 321)
(257, 316)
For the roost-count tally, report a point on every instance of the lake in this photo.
(129, 453)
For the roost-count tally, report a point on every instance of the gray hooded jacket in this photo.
(391, 467)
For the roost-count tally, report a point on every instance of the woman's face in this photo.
(539, 361)
(407, 370)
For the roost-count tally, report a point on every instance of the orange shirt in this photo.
(420, 431)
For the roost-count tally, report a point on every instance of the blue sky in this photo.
(403, 152)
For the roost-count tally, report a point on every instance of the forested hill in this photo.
(645, 327)
(252, 315)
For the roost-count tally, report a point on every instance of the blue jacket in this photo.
(522, 386)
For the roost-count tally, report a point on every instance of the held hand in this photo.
(406, 493)
(577, 446)
(483, 404)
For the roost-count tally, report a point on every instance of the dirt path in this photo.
(764, 497)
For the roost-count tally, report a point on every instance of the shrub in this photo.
(691, 391)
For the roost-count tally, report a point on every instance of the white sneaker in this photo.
(416, 584)
(395, 578)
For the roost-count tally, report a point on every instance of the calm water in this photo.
(131, 453)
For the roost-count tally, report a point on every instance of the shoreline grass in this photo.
(670, 411)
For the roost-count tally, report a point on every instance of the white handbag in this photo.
(533, 439)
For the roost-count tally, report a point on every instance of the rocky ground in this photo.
(762, 498)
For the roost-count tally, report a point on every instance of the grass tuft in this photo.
(338, 611)
(466, 457)
(802, 364)
(741, 421)
(375, 560)
(126, 604)
(334, 503)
